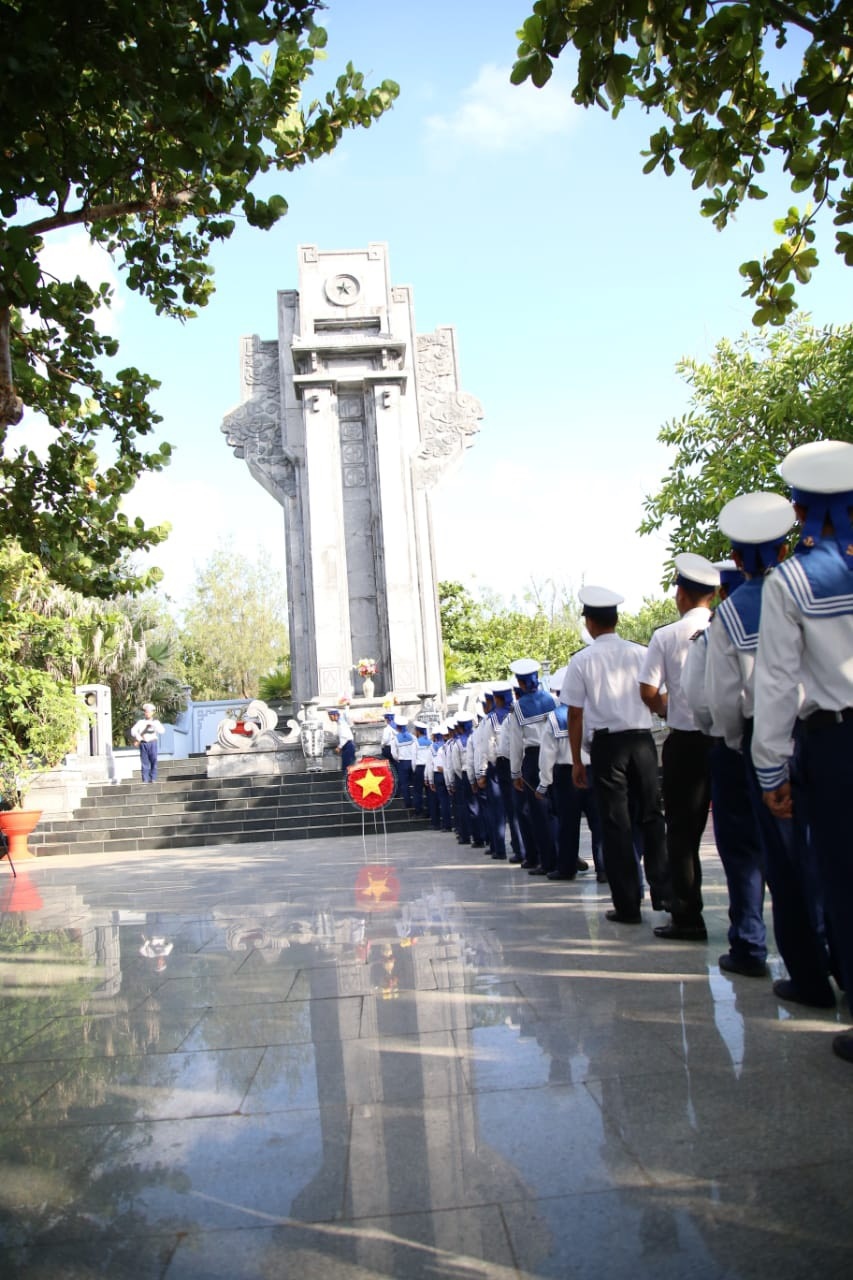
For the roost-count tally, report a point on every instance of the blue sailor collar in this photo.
(558, 719)
(532, 707)
(498, 716)
(740, 614)
(820, 582)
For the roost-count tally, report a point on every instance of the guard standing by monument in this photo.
(145, 734)
(805, 641)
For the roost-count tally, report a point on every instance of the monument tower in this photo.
(349, 418)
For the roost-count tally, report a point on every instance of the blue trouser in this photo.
(148, 760)
(794, 886)
(741, 852)
(570, 802)
(404, 782)
(493, 804)
(418, 787)
(827, 764)
(471, 801)
(533, 815)
(444, 809)
(347, 756)
(509, 796)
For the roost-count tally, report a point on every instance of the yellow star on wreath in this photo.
(370, 783)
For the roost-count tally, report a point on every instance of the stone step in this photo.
(316, 825)
(187, 808)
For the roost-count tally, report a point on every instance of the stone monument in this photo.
(349, 418)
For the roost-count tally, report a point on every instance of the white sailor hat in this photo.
(821, 478)
(757, 517)
(401, 719)
(418, 724)
(439, 730)
(730, 575)
(822, 466)
(524, 667)
(333, 711)
(503, 687)
(556, 678)
(599, 602)
(692, 570)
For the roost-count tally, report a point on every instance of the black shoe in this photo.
(560, 875)
(516, 859)
(477, 844)
(583, 865)
(499, 857)
(526, 865)
(843, 1045)
(601, 877)
(747, 968)
(661, 904)
(619, 917)
(536, 871)
(784, 989)
(682, 932)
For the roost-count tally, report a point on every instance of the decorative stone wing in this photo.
(253, 429)
(450, 418)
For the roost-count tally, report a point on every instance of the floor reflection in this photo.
(390, 1068)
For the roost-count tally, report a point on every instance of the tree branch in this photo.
(814, 27)
(11, 405)
(105, 212)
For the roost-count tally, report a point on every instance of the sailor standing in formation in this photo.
(602, 692)
(804, 682)
(686, 768)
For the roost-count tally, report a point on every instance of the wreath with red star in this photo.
(370, 783)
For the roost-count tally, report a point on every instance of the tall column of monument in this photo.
(349, 419)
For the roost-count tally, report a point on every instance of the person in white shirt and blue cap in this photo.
(602, 692)
(686, 749)
(804, 681)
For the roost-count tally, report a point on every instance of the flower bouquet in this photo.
(366, 667)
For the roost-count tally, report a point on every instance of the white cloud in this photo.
(494, 115)
(203, 516)
(71, 254)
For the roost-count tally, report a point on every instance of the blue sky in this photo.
(575, 284)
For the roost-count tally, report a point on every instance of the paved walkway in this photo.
(344, 1060)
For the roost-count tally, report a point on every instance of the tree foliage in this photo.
(482, 637)
(235, 627)
(702, 69)
(39, 712)
(152, 125)
(756, 399)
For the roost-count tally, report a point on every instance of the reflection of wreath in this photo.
(370, 783)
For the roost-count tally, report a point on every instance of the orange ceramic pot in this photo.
(16, 825)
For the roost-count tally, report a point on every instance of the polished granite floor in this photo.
(352, 1059)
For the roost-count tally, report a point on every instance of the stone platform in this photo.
(357, 1058)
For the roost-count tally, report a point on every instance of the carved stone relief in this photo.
(449, 418)
(253, 429)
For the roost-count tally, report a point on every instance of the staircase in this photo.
(185, 809)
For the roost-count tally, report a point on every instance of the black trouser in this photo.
(625, 777)
(686, 801)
